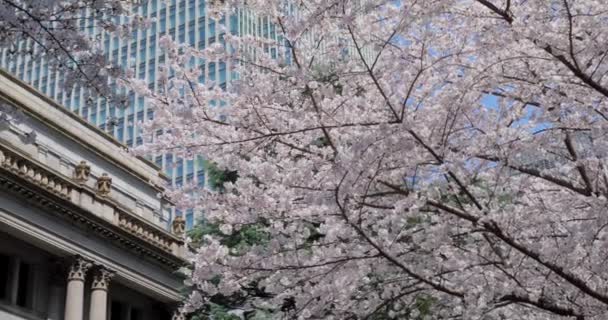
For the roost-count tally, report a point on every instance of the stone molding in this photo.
(35, 174)
(28, 99)
(136, 227)
(63, 190)
(166, 291)
(78, 268)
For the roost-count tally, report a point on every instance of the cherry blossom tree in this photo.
(67, 36)
(407, 159)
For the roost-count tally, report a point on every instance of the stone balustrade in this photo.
(142, 230)
(35, 174)
(90, 200)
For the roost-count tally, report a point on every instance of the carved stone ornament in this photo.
(79, 268)
(178, 315)
(101, 278)
(82, 172)
(178, 227)
(104, 185)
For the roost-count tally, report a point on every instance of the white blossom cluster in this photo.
(66, 36)
(403, 184)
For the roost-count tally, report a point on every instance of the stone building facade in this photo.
(83, 230)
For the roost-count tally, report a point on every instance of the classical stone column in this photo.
(99, 293)
(74, 301)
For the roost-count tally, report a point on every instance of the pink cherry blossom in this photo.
(442, 159)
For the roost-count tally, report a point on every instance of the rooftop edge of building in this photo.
(45, 109)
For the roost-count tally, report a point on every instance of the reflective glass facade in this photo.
(185, 21)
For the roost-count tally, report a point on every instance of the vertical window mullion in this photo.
(128, 311)
(14, 286)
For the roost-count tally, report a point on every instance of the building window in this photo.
(135, 314)
(189, 219)
(4, 277)
(116, 312)
(25, 285)
(124, 311)
(17, 281)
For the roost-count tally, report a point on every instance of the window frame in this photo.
(13, 288)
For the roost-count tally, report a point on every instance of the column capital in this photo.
(74, 298)
(79, 268)
(101, 278)
(178, 315)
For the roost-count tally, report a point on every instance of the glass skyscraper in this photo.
(185, 21)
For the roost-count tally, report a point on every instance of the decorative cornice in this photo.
(9, 97)
(35, 174)
(137, 228)
(165, 289)
(127, 229)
